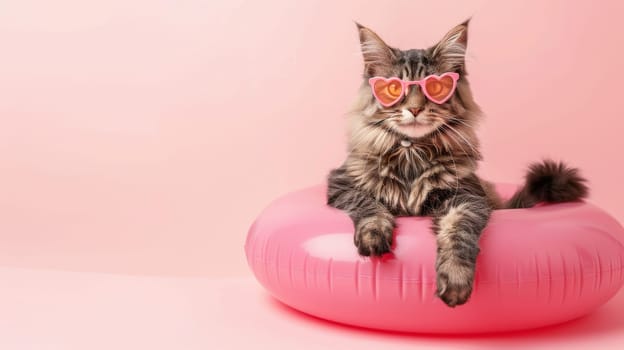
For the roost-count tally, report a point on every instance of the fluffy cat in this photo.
(418, 157)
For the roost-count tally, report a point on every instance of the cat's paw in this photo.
(373, 236)
(454, 283)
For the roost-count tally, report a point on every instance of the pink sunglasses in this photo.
(437, 88)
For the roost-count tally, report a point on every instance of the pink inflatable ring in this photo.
(537, 267)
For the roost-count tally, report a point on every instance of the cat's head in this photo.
(414, 116)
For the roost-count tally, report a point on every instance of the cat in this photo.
(418, 158)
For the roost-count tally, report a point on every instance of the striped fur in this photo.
(549, 181)
(401, 163)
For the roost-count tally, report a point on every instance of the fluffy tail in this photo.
(549, 181)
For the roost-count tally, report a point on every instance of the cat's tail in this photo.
(549, 181)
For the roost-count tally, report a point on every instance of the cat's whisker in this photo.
(474, 163)
(468, 143)
(455, 119)
(378, 122)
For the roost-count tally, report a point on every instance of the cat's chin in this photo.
(415, 129)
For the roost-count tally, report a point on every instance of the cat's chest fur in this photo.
(391, 176)
(404, 163)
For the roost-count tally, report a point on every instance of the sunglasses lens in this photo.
(439, 89)
(388, 91)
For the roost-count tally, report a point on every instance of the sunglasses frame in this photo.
(405, 84)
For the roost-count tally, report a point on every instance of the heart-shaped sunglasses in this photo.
(437, 88)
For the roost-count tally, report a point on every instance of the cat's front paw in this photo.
(454, 283)
(373, 236)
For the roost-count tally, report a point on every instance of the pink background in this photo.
(142, 137)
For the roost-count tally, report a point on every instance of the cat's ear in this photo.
(450, 52)
(378, 56)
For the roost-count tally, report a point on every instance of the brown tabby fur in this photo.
(423, 162)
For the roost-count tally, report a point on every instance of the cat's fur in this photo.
(434, 173)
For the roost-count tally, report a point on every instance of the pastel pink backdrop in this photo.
(139, 139)
(144, 136)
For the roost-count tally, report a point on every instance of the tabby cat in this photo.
(412, 152)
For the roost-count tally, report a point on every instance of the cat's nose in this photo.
(414, 111)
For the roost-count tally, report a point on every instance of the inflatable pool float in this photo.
(538, 266)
